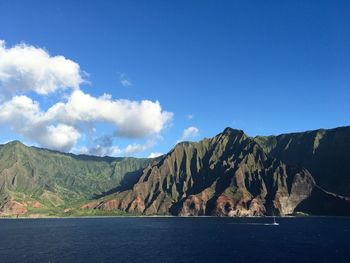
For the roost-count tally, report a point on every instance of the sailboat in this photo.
(274, 221)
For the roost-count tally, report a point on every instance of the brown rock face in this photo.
(12, 207)
(109, 205)
(89, 205)
(228, 175)
(195, 204)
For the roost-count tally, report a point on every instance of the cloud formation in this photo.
(137, 148)
(189, 133)
(132, 119)
(23, 115)
(26, 68)
(61, 125)
(103, 146)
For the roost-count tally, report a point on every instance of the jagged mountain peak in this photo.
(231, 131)
(228, 174)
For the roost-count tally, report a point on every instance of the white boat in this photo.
(274, 222)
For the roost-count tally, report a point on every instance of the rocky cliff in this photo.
(325, 153)
(229, 174)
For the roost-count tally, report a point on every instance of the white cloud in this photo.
(136, 148)
(60, 137)
(132, 119)
(189, 133)
(155, 154)
(24, 68)
(23, 115)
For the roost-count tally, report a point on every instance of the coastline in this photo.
(169, 216)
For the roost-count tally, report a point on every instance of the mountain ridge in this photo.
(325, 153)
(56, 179)
(230, 174)
(207, 190)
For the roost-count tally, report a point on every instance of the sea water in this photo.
(175, 239)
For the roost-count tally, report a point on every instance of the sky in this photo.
(133, 78)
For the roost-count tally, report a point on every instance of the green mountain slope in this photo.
(325, 153)
(51, 179)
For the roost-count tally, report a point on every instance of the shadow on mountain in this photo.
(324, 203)
(128, 181)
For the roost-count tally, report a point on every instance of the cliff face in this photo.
(325, 153)
(229, 174)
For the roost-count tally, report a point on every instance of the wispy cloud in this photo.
(124, 80)
(126, 83)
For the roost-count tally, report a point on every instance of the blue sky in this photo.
(267, 67)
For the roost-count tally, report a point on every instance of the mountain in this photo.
(325, 153)
(229, 174)
(33, 178)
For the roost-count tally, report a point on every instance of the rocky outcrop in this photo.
(228, 175)
(13, 207)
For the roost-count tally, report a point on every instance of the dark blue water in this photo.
(175, 240)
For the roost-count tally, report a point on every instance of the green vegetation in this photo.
(234, 193)
(57, 179)
(75, 212)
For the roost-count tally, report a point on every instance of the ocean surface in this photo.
(173, 239)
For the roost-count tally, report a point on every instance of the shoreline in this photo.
(168, 216)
